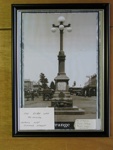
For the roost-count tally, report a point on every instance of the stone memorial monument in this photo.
(62, 99)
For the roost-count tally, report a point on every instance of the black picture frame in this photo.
(105, 7)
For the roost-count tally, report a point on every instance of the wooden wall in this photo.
(7, 142)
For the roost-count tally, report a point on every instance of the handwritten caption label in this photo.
(85, 124)
(36, 119)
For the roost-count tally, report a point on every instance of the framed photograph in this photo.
(60, 70)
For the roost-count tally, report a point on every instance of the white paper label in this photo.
(36, 119)
(85, 124)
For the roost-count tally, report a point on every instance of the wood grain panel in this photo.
(32, 144)
(5, 83)
(91, 144)
(7, 142)
(5, 8)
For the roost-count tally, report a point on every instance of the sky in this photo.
(41, 46)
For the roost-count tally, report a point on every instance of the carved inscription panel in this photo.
(61, 86)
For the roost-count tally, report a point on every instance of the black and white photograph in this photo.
(60, 70)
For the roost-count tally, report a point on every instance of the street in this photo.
(88, 104)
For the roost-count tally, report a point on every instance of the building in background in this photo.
(90, 86)
(28, 85)
(75, 90)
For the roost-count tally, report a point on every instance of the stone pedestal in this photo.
(61, 96)
(62, 101)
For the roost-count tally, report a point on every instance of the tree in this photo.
(52, 85)
(43, 81)
(74, 83)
